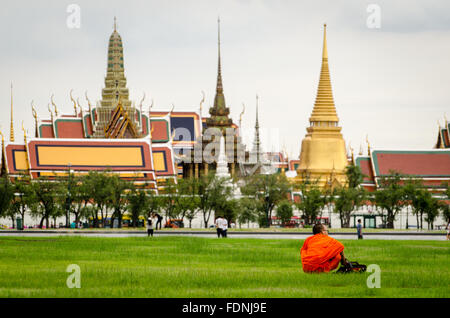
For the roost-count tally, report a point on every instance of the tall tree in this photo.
(269, 190)
(23, 198)
(49, 197)
(348, 198)
(138, 202)
(311, 203)
(432, 211)
(410, 191)
(189, 201)
(284, 211)
(80, 199)
(445, 206)
(210, 192)
(118, 200)
(247, 211)
(100, 186)
(6, 194)
(389, 197)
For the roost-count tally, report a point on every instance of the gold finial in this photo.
(142, 100)
(368, 144)
(24, 133)
(353, 158)
(79, 106)
(173, 107)
(33, 111)
(151, 130)
(201, 102)
(11, 136)
(172, 136)
(3, 137)
(54, 105)
(89, 103)
(360, 150)
(241, 115)
(150, 109)
(325, 51)
(115, 23)
(446, 121)
(73, 101)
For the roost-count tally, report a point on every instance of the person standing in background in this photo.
(159, 221)
(149, 227)
(219, 226)
(224, 227)
(359, 229)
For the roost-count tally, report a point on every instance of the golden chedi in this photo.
(323, 154)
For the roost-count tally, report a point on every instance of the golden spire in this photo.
(115, 23)
(324, 108)
(368, 145)
(11, 136)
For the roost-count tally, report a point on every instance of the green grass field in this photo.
(210, 267)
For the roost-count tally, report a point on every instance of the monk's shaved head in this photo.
(318, 228)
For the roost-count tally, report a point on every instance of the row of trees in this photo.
(395, 192)
(102, 196)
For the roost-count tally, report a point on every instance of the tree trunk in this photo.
(407, 213)
(421, 220)
(390, 220)
(13, 223)
(417, 220)
(42, 222)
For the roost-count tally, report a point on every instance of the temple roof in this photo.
(427, 163)
(432, 166)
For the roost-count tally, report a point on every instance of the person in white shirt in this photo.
(219, 226)
(224, 227)
(149, 227)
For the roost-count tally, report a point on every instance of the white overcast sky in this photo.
(392, 83)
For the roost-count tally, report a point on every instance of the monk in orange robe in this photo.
(321, 253)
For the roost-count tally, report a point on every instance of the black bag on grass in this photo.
(352, 267)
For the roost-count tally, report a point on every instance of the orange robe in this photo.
(320, 253)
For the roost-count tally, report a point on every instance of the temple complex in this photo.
(151, 146)
(323, 154)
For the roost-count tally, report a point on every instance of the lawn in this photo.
(211, 267)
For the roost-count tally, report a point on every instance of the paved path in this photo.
(264, 235)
